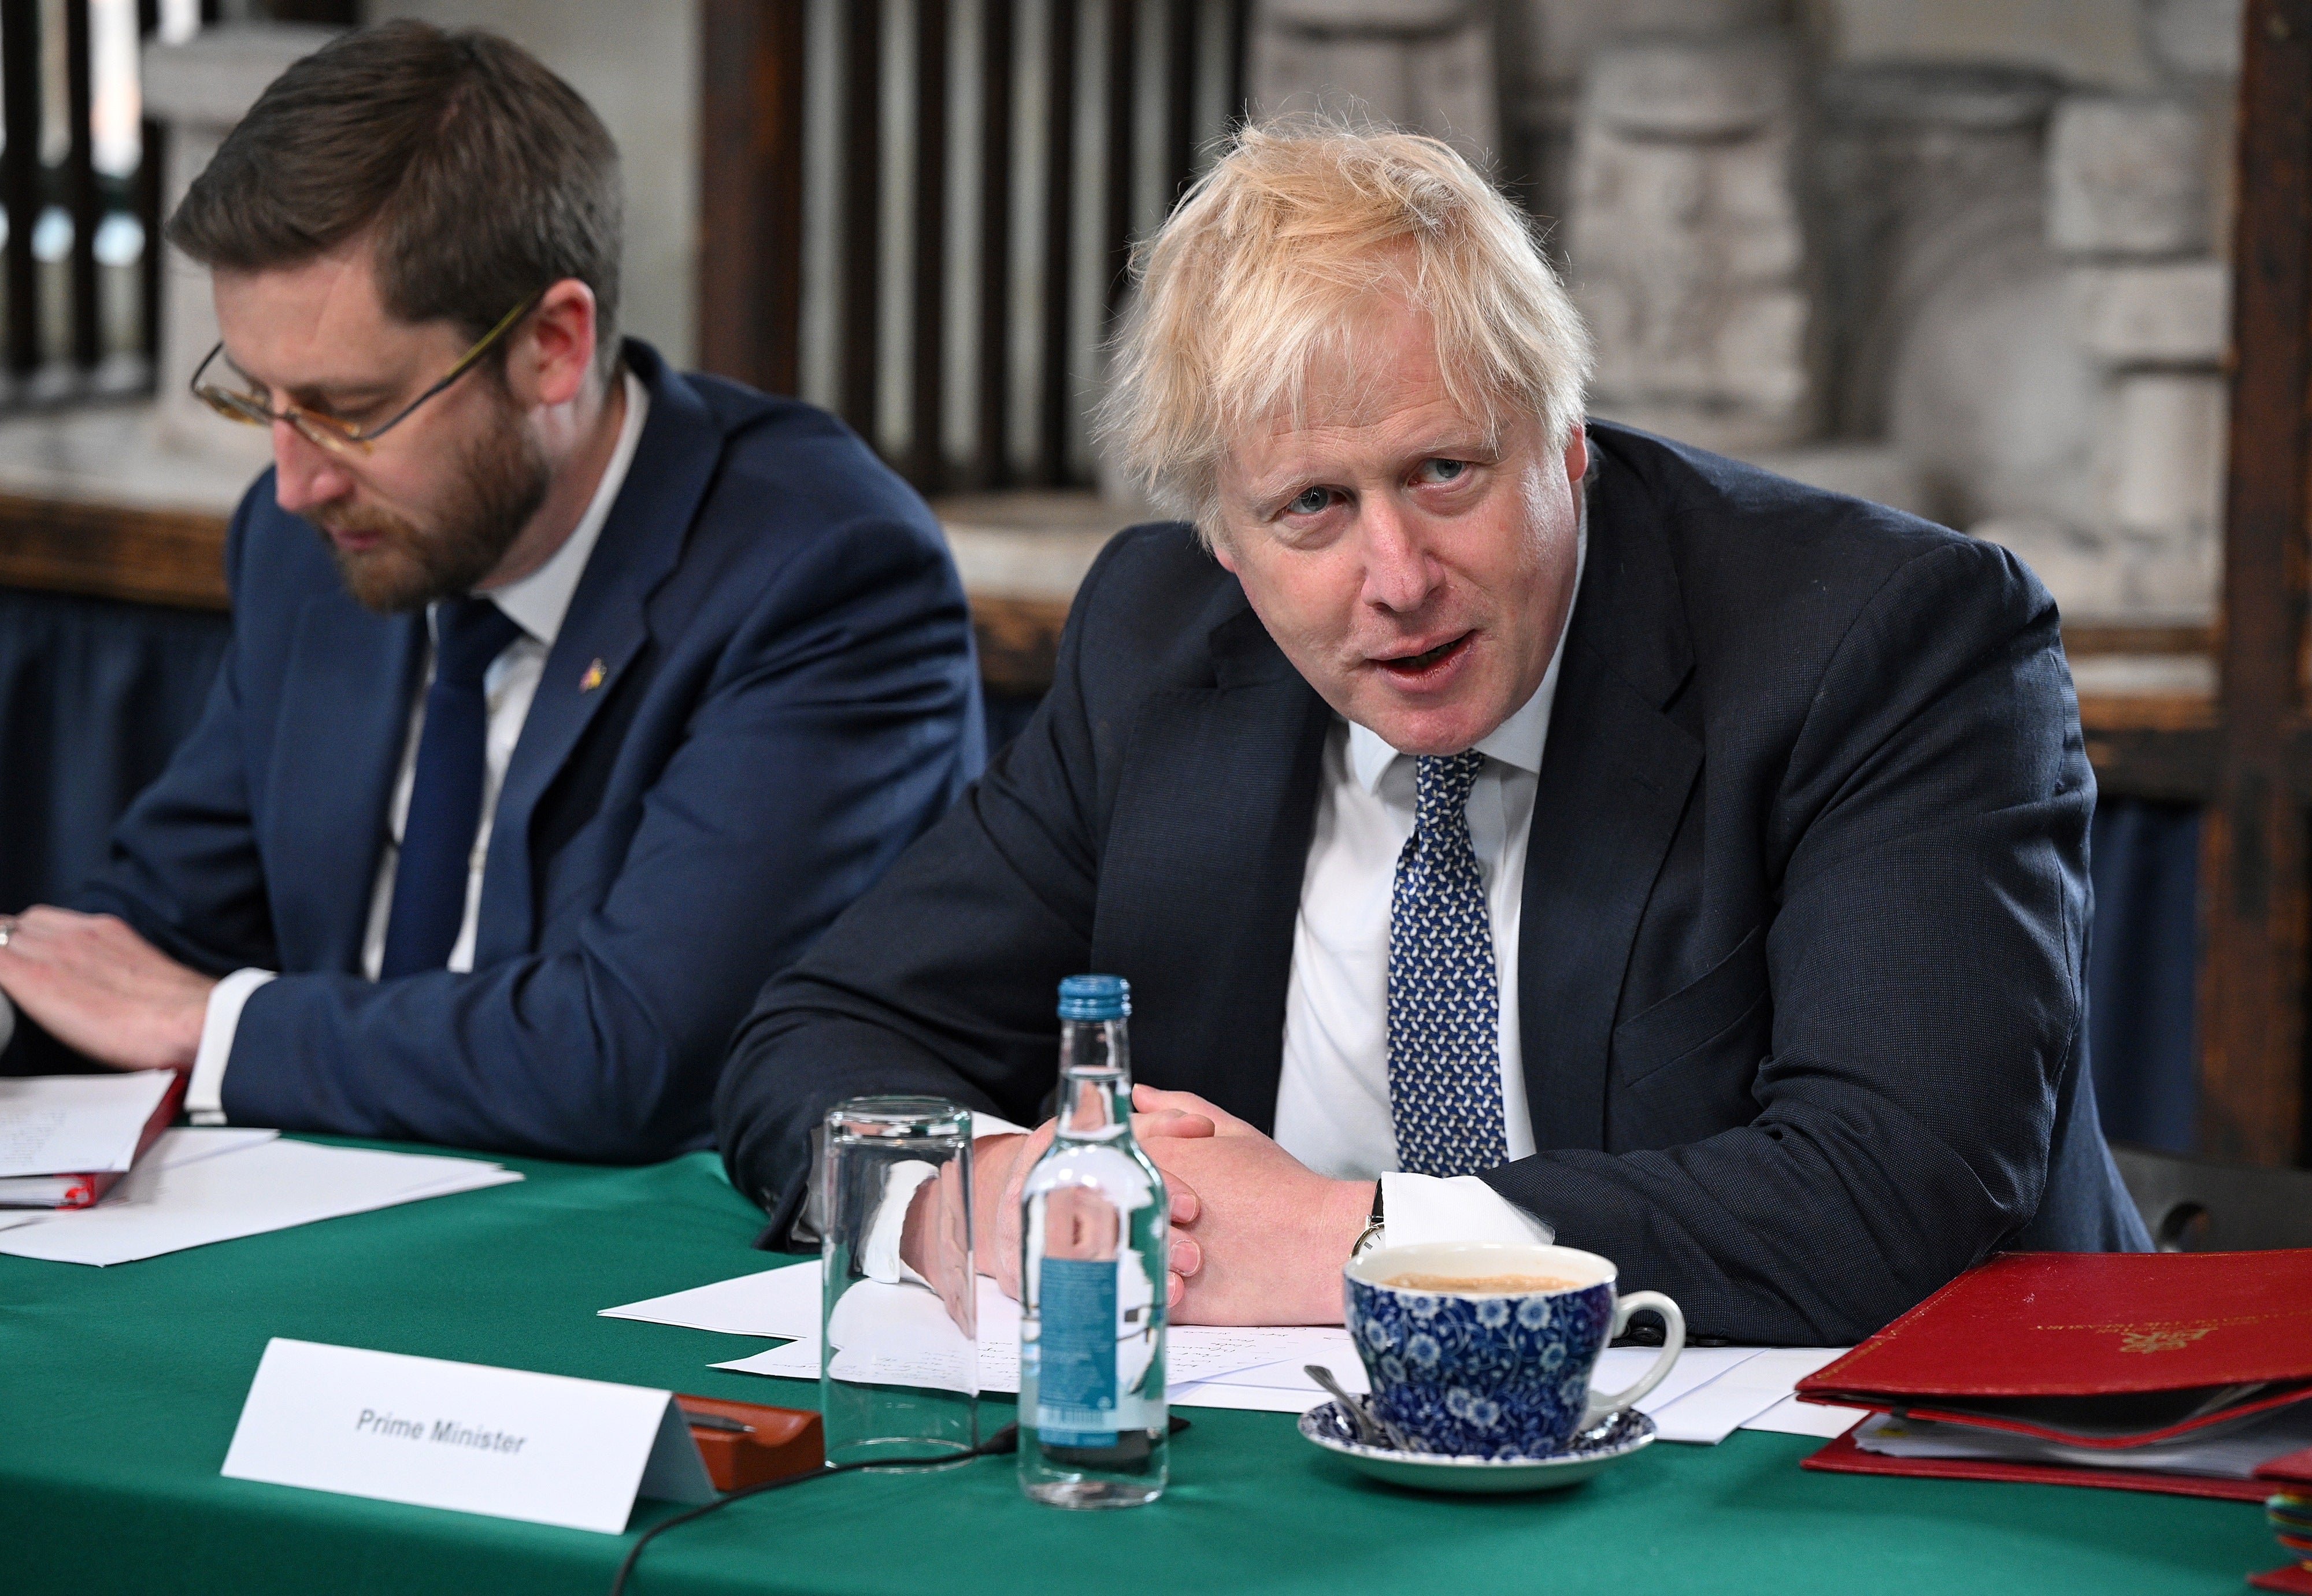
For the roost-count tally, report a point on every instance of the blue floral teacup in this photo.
(1485, 1349)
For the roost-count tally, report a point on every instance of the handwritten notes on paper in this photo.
(75, 1124)
(1712, 1393)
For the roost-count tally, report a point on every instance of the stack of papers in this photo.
(2231, 1450)
(200, 1186)
(62, 1131)
(1712, 1393)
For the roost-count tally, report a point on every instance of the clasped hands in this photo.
(103, 990)
(1256, 1237)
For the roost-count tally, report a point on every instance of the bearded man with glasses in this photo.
(569, 697)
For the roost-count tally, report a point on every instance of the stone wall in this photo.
(1967, 260)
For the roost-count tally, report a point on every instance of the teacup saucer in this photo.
(1616, 1435)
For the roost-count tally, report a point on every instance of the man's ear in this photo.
(553, 355)
(1216, 540)
(1577, 455)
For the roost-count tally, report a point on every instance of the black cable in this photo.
(1005, 1440)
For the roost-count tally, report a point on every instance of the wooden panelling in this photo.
(1019, 639)
(751, 178)
(2253, 903)
(149, 557)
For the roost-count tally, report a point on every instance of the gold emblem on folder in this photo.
(2161, 1338)
(592, 678)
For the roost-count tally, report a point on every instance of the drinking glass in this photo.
(898, 1329)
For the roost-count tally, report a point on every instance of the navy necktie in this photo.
(1444, 1000)
(445, 793)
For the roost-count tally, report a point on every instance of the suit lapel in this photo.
(1614, 780)
(1200, 881)
(345, 703)
(606, 627)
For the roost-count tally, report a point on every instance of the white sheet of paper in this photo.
(75, 1124)
(785, 1302)
(1712, 1391)
(1756, 1382)
(166, 1204)
(507, 1443)
(1791, 1417)
(1282, 1387)
(781, 1301)
(189, 1144)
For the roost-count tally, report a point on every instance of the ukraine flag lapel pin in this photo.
(592, 678)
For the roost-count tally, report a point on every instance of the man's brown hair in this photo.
(477, 175)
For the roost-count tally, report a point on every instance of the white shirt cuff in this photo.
(879, 1255)
(1455, 1208)
(205, 1093)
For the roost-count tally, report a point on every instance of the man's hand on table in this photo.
(1271, 1234)
(1258, 1237)
(103, 990)
(1000, 1166)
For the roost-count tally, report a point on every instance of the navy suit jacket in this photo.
(1806, 901)
(788, 697)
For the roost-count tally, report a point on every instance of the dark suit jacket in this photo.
(1804, 900)
(790, 699)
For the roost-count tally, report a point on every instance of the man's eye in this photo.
(1311, 502)
(1443, 471)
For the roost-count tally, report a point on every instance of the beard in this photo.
(496, 485)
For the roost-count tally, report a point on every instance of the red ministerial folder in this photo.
(2109, 1349)
(83, 1191)
(1842, 1456)
(2292, 1473)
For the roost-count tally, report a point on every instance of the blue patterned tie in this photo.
(1444, 1003)
(445, 792)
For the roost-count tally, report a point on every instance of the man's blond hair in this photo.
(1261, 268)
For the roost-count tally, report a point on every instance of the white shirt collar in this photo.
(1516, 741)
(538, 602)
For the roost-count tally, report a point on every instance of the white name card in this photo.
(502, 1442)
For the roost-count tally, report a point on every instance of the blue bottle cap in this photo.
(1095, 998)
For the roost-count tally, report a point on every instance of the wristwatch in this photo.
(1370, 1236)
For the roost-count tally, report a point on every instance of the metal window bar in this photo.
(948, 207)
(66, 337)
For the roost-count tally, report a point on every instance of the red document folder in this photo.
(83, 1190)
(2100, 1349)
(2292, 1475)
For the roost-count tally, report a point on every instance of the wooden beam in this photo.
(174, 558)
(2158, 747)
(2254, 902)
(750, 173)
(1019, 639)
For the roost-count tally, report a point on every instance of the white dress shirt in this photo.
(1332, 1095)
(537, 603)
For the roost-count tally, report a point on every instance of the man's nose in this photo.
(1399, 574)
(305, 474)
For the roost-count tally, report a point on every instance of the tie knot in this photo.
(467, 634)
(1441, 783)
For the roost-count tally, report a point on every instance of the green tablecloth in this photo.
(120, 1388)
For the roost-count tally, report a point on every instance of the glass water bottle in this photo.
(1094, 1234)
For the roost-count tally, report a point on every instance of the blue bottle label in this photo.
(1075, 1352)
